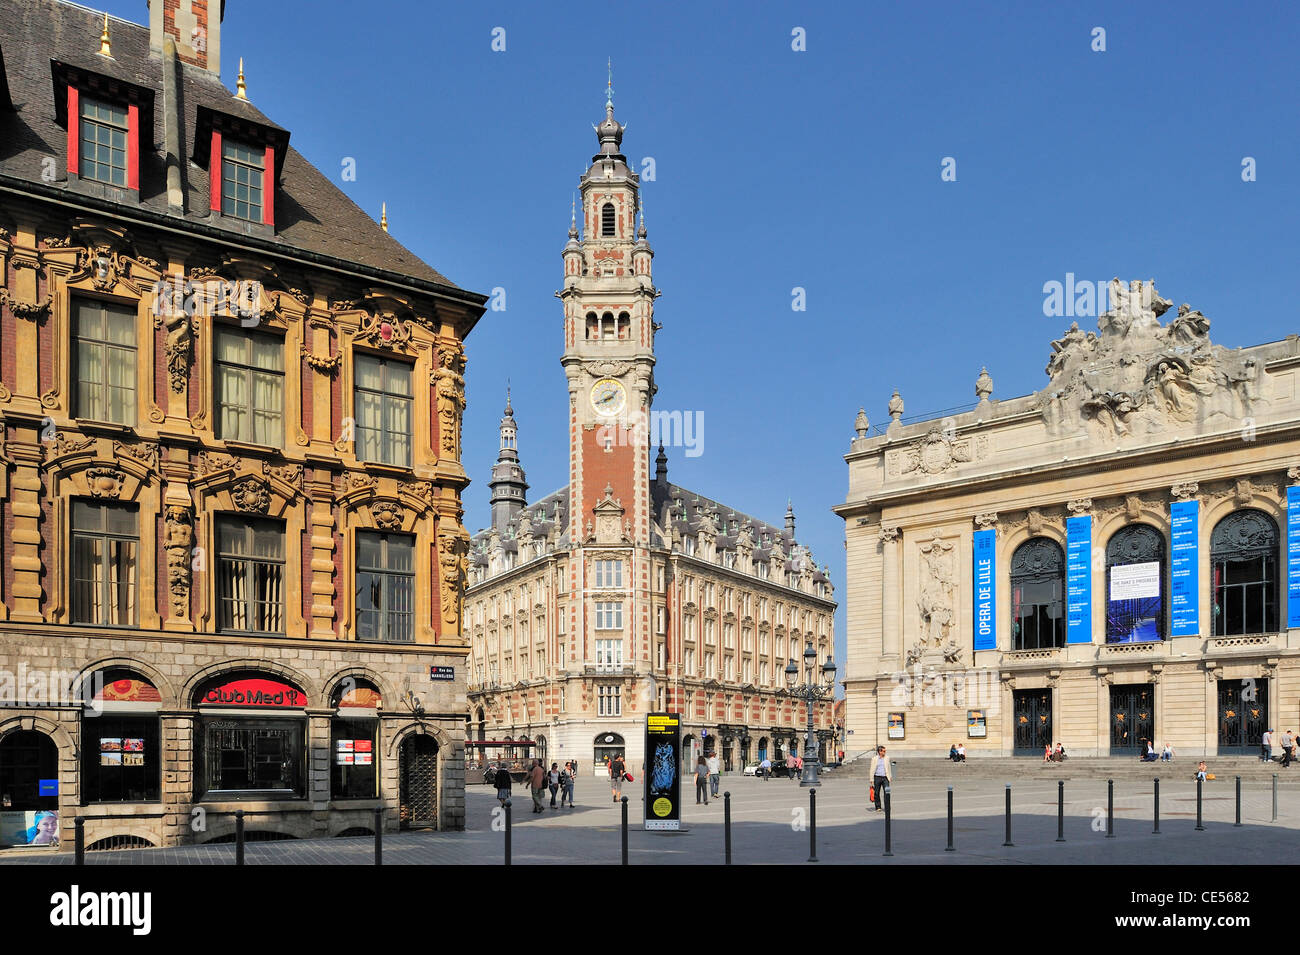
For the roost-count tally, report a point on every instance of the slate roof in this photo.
(311, 214)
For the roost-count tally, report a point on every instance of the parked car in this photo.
(751, 769)
(784, 769)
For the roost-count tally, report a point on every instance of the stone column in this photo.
(25, 490)
(891, 637)
(179, 781)
(320, 524)
(318, 768)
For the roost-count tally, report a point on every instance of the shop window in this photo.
(1037, 588)
(104, 546)
(250, 386)
(385, 587)
(1244, 558)
(120, 758)
(383, 411)
(104, 354)
(250, 575)
(354, 745)
(1135, 583)
(252, 756)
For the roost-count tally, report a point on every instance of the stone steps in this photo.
(1009, 769)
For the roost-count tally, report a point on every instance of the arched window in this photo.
(593, 326)
(1135, 585)
(624, 325)
(608, 219)
(1037, 589)
(1244, 561)
(607, 329)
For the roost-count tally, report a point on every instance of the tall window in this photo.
(611, 703)
(1135, 581)
(250, 386)
(385, 587)
(609, 573)
(104, 346)
(1037, 586)
(709, 670)
(104, 546)
(383, 407)
(242, 170)
(609, 615)
(103, 142)
(250, 575)
(609, 654)
(608, 220)
(1244, 558)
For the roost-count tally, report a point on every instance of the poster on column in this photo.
(1078, 579)
(985, 582)
(1293, 557)
(1184, 599)
(663, 783)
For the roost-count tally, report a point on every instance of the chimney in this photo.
(195, 27)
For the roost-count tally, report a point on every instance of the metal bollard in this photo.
(239, 837)
(949, 847)
(1156, 830)
(1110, 809)
(726, 823)
(624, 801)
(1008, 842)
(379, 836)
(1199, 826)
(812, 825)
(1237, 824)
(1275, 797)
(1060, 810)
(79, 841)
(888, 840)
(509, 803)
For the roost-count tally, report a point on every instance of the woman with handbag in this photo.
(702, 781)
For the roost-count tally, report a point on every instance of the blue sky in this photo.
(818, 169)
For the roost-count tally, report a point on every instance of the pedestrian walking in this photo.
(765, 769)
(566, 785)
(616, 770)
(503, 782)
(881, 776)
(702, 781)
(553, 782)
(715, 774)
(1266, 747)
(537, 783)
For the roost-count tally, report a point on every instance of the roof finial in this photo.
(240, 90)
(609, 86)
(573, 216)
(383, 217)
(105, 47)
(640, 207)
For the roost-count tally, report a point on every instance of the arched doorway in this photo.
(540, 750)
(762, 748)
(418, 780)
(607, 746)
(29, 766)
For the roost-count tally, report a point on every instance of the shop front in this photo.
(250, 739)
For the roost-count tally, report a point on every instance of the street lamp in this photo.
(815, 687)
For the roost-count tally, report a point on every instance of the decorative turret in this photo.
(509, 489)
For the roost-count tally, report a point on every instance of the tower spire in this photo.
(508, 485)
(609, 86)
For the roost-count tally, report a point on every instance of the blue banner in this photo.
(1293, 557)
(985, 570)
(1184, 524)
(1078, 579)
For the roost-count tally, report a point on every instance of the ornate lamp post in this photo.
(815, 687)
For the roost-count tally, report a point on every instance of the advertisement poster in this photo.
(1134, 608)
(663, 781)
(1078, 579)
(985, 583)
(110, 751)
(35, 828)
(895, 725)
(1293, 556)
(132, 752)
(976, 727)
(1183, 597)
(343, 752)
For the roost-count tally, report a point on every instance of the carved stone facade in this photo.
(1138, 420)
(124, 540)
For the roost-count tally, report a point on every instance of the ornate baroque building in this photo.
(230, 405)
(1114, 558)
(622, 593)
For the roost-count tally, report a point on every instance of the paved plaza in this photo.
(769, 827)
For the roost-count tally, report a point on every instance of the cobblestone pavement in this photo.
(769, 826)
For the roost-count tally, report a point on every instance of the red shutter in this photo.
(268, 188)
(133, 147)
(74, 130)
(214, 171)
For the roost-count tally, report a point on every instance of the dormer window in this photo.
(608, 220)
(104, 135)
(243, 172)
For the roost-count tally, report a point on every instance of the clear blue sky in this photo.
(818, 169)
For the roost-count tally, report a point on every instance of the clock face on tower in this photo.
(608, 397)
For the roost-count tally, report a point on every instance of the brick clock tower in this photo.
(609, 330)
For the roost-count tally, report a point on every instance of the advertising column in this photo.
(663, 782)
(985, 584)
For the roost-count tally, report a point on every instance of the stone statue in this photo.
(449, 386)
(178, 541)
(935, 600)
